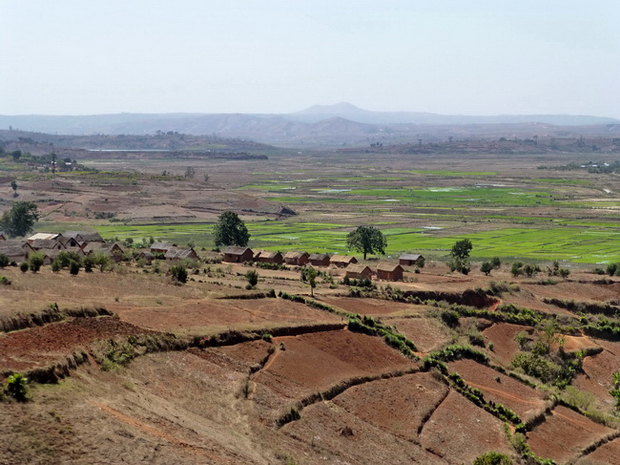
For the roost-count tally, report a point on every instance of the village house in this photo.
(342, 261)
(43, 236)
(234, 254)
(181, 253)
(390, 272)
(50, 254)
(319, 259)
(358, 271)
(114, 251)
(161, 247)
(84, 237)
(410, 259)
(296, 258)
(15, 250)
(46, 244)
(265, 256)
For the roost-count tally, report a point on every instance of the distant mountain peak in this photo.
(337, 108)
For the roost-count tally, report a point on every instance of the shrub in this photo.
(179, 273)
(486, 268)
(15, 386)
(517, 269)
(496, 262)
(493, 458)
(4, 260)
(252, 278)
(35, 262)
(23, 267)
(74, 268)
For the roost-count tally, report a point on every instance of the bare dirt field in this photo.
(564, 435)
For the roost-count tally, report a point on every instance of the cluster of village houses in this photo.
(352, 268)
(85, 243)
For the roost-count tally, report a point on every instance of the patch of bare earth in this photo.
(207, 316)
(501, 389)
(607, 454)
(399, 405)
(564, 435)
(42, 346)
(502, 335)
(372, 306)
(597, 377)
(428, 334)
(458, 431)
(313, 362)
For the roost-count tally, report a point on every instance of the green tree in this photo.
(486, 268)
(461, 249)
(4, 260)
(252, 278)
(308, 276)
(230, 230)
(35, 261)
(20, 219)
(493, 458)
(16, 387)
(367, 239)
(14, 187)
(179, 273)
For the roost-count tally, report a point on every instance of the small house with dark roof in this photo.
(69, 242)
(266, 256)
(296, 258)
(234, 254)
(181, 253)
(358, 271)
(50, 254)
(319, 259)
(114, 251)
(15, 250)
(390, 272)
(161, 247)
(342, 261)
(410, 259)
(84, 236)
(46, 244)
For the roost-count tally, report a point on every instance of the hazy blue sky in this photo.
(271, 56)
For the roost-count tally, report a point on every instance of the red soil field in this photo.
(397, 405)
(42, 346)
(523, 400)
(458, 431)
(211, 316)
(428, 334)
(564, 434)
(372, 306)
(502, 335)
(607, 454)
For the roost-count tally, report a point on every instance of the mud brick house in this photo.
(84, 237)
(341, 261)
(181, 253)
(265, 256)
(238, 254)
(358, 271)
(319, 259)
(389, 272)
(161, 247)
(15, 250)
(296, 258)
(410, 259)
(114, 251)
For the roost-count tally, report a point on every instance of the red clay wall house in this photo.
(296, 258)
(389, 272)
(238, 254)
(319, 259)
(356, 271)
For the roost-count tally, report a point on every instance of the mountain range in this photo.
(338, 124)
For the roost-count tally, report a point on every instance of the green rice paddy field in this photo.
(536, 219)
